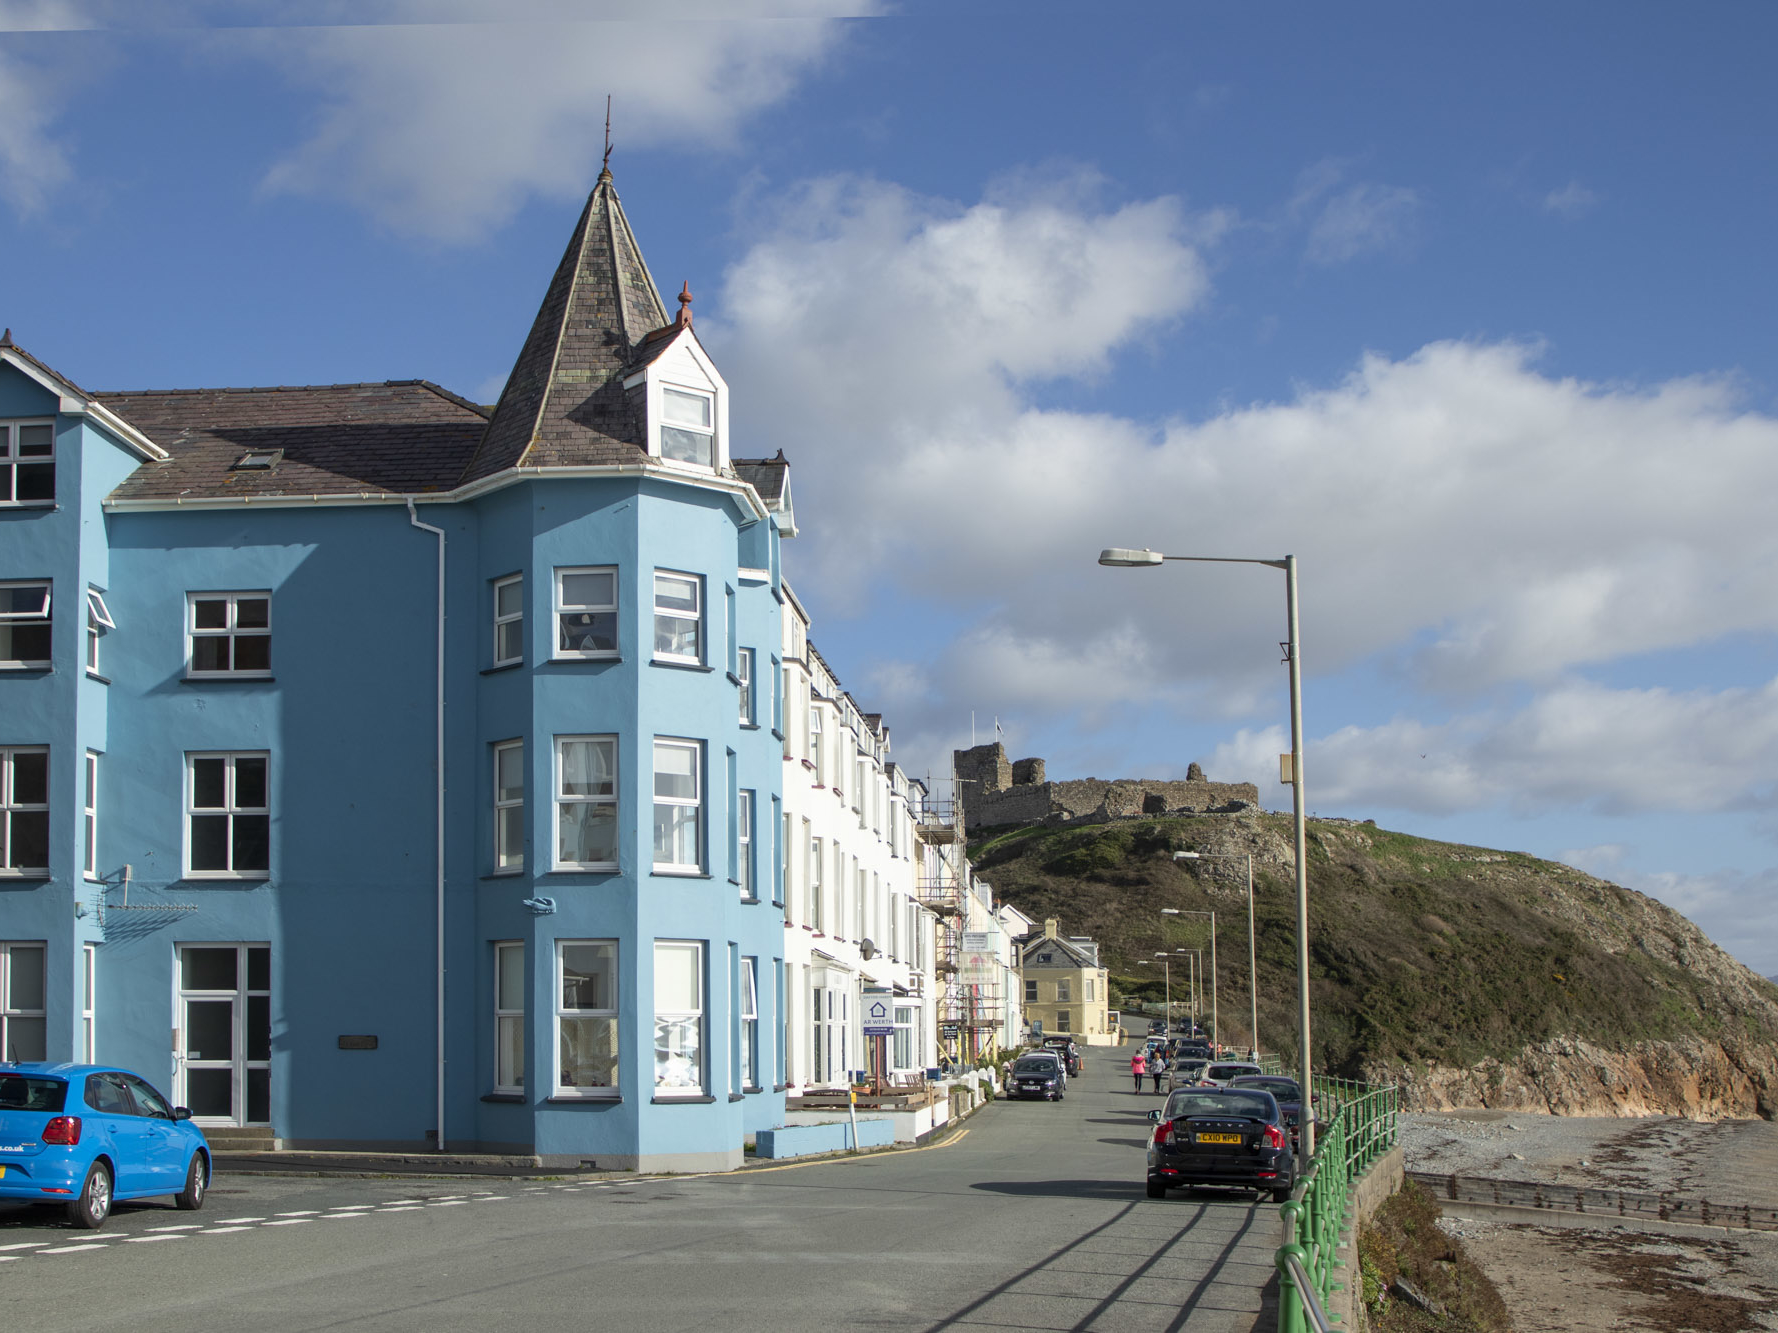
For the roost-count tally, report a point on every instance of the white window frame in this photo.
(11, 460)
(562, 800)
(90, 834)
(591, 1092)
(1064, 991)
(509, 838)
(507, 1017)
(89, 988)
(817, 752)
(696, 1016)
(694, 803)
(678, 614)
(745, 871)
(229, 808)
(713, 458)
(744, 674)
(813, 915)
(750, 1025)
(564, 608)
(232, 630)
(98, 620)
(11, 807)
(11, 1013)
(43, 615)
(503, 620)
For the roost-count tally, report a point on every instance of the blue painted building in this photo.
(382, 771)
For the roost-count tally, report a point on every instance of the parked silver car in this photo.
(1224, 1072)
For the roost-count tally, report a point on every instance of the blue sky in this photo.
(1470, 310)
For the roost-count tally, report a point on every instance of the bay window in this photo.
(750, 1024)
(688, 426)
(509, 807)
(744, 845)
(586, 1018)
(509, 620)
(678, 1018)
(678, 806)
(678, 617)
(586, 612)
(586, 803)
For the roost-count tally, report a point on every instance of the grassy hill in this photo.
(1420, 951)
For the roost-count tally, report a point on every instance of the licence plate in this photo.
(1219, 1138)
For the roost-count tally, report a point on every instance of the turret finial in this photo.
(684, 320)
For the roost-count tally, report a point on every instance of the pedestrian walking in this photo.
(1139, 1067)
(1157, 1066)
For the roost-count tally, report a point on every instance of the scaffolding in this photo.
(970, 1004)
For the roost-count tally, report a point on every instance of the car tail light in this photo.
(1274, 1137)
(1163, 1133)
(64, 1129)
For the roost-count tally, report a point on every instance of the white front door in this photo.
(223, 1016)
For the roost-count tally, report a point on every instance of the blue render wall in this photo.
(348, 720)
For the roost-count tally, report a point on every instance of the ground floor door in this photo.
(223, 1026)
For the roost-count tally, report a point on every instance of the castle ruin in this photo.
(995, 792)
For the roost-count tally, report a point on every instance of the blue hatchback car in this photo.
(83, 1136)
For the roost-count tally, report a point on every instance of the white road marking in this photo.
(449, 1203)
(405, 1208)
(307, 1212)
(288, 1222)
(334, 1217)
(232, 1221)
(217, 1231)
(148, 1240)
(183, 1226)
(25, 1245)
(72, 1249)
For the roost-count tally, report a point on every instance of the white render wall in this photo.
(850, 868)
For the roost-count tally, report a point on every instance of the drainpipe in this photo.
(439, 847)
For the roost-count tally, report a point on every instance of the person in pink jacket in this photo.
(1139, 1067)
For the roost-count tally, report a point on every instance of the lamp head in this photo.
(1123, 557)
(1186, 856)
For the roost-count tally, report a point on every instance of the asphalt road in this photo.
(1033, 1218)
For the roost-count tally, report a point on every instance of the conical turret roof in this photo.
(564, 405)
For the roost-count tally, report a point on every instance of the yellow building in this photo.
(1065, 988)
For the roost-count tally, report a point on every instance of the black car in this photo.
(1038, 1075)
(1221, 1136)
(1067, 1050)
(1193, 1048)
(1286, 1092)
(1157, 1028)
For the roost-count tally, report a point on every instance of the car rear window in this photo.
(19, 1093)
(1230, 1071)
(1258, 1106)
(1030, 1066)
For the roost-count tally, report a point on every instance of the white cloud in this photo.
(1577, 746)
(1462, 518)
(35, 83)
(1349, 221)
(1572, 201)
(444, 126)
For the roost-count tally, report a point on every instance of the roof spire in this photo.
(684, 320)
(6, 338)
(605, 168)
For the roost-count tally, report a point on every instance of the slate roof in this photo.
(768, 476)
(564, 404)
(1072, 955)
(337, 439)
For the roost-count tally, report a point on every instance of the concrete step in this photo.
(241, 1138)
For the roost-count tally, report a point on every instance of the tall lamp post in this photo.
(1252, 967)
(1126, 558)
(1215, 1028)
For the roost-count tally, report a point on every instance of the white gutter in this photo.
(439, 847)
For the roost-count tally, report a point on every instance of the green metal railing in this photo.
(1359, 1126)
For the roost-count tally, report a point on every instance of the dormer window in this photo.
(688, 426)
(257, 460)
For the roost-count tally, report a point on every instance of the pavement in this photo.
(1033, 1216)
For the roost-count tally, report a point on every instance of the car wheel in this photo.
(191, 1198)
(89, 1211)
(1156, 1190)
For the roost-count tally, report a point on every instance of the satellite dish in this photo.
(866, 948)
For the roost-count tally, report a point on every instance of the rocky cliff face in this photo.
(1474, 977)
(1690, 1077)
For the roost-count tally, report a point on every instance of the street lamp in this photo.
(1252, 967)
(1215, 1029)
(1126, 558)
